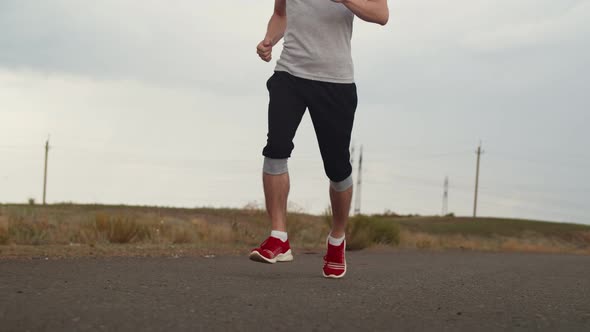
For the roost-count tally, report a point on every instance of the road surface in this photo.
(383, 291)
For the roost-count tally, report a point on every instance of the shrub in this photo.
(117, 229)
(35, 232)
(183, 235)
(147, 233)
(3, 231)
(365, 231)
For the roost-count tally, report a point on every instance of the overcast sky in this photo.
(164, 103)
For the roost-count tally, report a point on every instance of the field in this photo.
(100, 230)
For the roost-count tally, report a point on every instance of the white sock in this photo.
(279, 235)
(334, 241)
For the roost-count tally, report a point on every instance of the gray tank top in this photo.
(317, 41)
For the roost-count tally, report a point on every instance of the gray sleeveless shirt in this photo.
(317, 41)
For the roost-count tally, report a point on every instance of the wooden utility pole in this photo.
(357, 204)
(479, 152)
(45, 172)
(445, 206)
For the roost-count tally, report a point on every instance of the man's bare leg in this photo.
(276, 189)
(276, 192)
(340, 209)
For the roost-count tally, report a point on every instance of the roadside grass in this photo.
(531, 243)
(116, 229)
(491, 234)
(96, 225)
(366, 231)
(4, 237)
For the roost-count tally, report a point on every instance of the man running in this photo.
(315, 72)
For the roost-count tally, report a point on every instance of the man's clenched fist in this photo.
(264, 50)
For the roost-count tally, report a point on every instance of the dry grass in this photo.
(103, 225)
(4, 237)
(531, 243)
(115, 229)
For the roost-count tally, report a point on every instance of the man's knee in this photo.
(275, 166)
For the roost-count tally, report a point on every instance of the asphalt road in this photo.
(404, 291)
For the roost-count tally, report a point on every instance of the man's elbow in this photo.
(383, 19)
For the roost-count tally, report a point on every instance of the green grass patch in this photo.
(364, 231)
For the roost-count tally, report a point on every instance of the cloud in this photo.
(158, 85)
(181, 43)
(566, 25)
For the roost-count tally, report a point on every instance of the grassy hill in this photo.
(493, 234)
(73, 230)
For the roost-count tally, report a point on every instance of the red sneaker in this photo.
(272, 250)
(335, 261)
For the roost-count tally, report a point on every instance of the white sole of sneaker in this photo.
(281, 258)
(333, 276)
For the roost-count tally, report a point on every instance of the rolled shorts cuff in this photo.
(275, 166)
(342, 185)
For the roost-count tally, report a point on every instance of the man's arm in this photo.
(275, 30)
(374, 11)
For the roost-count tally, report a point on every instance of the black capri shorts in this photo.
(331, 106)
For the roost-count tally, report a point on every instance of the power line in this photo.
(536, 188)
(536, 209)
(563, 160)
(410, 157)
